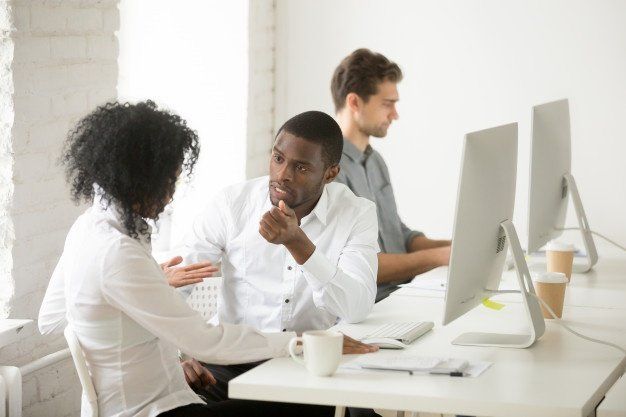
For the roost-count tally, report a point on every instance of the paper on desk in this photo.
(432, 283)
(473, 370)
(439, 283)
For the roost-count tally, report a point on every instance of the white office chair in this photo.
(89, 400)
(203, 297)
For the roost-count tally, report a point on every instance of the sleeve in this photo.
(52, 314)
(348, 289)
(207, 237)
(408, 234)
(140, 290)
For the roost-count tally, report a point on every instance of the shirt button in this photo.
(289, 267)
(286, 300)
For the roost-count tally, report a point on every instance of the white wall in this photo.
(61, 64)
(260, 126)
(213, 64)
(191, 57)
(470, 65)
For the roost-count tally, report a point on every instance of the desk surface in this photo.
(614, 405)
(561, 375)
(10, 330)
(603, 287)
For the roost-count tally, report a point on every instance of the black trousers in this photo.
(244, 408)
(219, 393)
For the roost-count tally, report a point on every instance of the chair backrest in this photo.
(89, 403)
(203, 297)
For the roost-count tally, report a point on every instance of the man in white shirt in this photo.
(298, 251)
(125, 159)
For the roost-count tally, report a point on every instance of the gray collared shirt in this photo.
(366, 174)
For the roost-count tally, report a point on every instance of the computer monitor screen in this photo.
(552, 183)
(550, 161)
(483, 230)
(485, 199)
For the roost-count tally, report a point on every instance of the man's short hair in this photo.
(318, 127)
(360, 73)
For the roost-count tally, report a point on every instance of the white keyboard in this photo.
(405, 332)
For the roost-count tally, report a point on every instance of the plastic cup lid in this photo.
(550, 278)
(557, 246)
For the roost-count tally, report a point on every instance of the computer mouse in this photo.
(385, 343)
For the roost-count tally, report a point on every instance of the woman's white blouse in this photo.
(130, 322)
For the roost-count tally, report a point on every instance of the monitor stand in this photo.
(531, 305)
(590, 246)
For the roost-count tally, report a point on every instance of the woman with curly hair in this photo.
(125, 159)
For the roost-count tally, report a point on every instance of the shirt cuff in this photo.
(279, 343)
(410, 236)
(318, 270)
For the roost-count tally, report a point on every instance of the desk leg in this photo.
(340, 411)
(400, 413)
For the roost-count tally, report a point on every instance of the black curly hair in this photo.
(133, 152)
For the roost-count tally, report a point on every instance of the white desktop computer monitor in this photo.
(482, 232)
(551, 181)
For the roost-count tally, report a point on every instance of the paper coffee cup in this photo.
(560, 257)
(550, 287)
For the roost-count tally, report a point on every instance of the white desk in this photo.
(561, 375)
(603, 287)
(614, 404)
(12, 329)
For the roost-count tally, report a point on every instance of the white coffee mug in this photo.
(322, 351)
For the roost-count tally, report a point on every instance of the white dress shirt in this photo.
(130, 322)
(262, 284)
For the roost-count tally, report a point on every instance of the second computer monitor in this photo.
(551, 181)
(549, 162)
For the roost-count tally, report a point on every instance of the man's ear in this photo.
(353, 102)
(331, 173)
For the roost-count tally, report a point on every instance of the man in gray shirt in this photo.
(364, 90)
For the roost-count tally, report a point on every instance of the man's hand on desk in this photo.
(352, 346)
(280, 226)
(187, 275)
(197, 376)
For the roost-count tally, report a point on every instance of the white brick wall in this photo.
(58, 60)
(64, 64)
(260, 126)
(6, 159)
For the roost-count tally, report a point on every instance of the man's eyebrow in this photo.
(393, 100)
(303, 162)
(274, 149)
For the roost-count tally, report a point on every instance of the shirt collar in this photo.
(111, 211)
(321, 208)
(354, 153)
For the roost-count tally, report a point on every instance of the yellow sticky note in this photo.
(492, 304)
